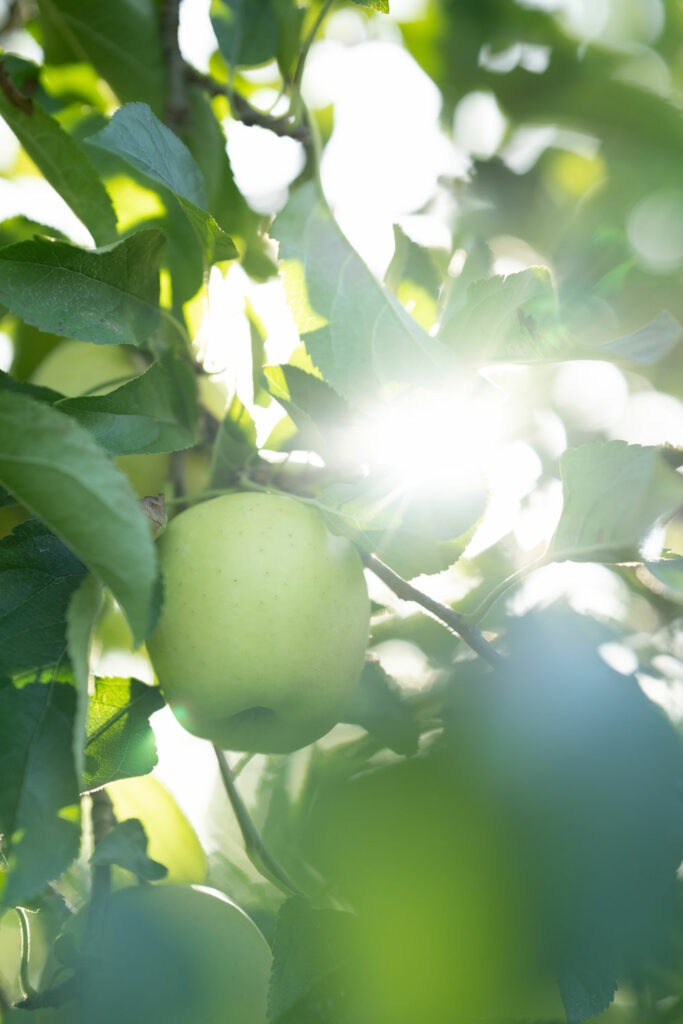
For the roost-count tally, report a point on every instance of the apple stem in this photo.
(453, 620)
(260, 857)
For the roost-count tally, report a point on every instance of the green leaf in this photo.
(648, 344)
(122, 39)
(82, 613)
(356, 332)
(38, 577)
(322, 417)
(126, 846)
(376, 5)
(235, 444)
(664, 577)
(246, 30)
(39, 802)
(143, 141)
(505, 319)
(120, 742)
(64, 164)
(155, 412)
(378, 706)
(108, 296)
(613, 494)
(54, 467)
(310, 949)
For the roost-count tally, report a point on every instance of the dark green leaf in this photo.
(38, 576)
(234, 446)
(139, 138)
(378, 706)
(126, 846)
(646, 345)
(155, 412)
(246, 30)
(310, 950)
(120, 742)
(613, 494)
(121, 39)
(39, 802)
(64, 165)
(55, 468)
(82, 613)
(109, 296)
(357, 333)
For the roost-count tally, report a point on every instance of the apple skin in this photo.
(265, 622)
(76, 367)
(171, 953)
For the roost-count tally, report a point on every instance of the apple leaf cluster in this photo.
(461, 809)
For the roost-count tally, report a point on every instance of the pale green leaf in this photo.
(82, 613)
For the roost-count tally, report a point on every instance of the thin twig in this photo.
(259, 856)
(452, 619)
(103, 821)
(244, 112)
(177, 108)
(303, 54)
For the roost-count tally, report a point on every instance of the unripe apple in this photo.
(265, 622)
(171, 954)
(77, 368)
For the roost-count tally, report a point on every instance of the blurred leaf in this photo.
(108, 296)
(39, 802)
(120, 741)
(82, 613)
(310, 947)
(648, 344)
(54, 467)
(63, 163)
(376, 5)
(613, 494)
(139, 138)
(121, 39)
(155, 412)
(39, 576)
(356, 332)
(234, 446)
(664, 577)
(379, 707)
(126, 846)
(246, 30)
(509, 318)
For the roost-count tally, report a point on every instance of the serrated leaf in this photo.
(376, 5)
(108, 296)
(378, 706)
(126, 846)
(38, 576)
(648, 344)
(613, 494)
(505, 318)
(121, 39)
(143, 141)
(120, 742)
(82, 613)
(39, 801)
(356, 332)
(155, 412)
(234, 446)
(246, 30)
(54, 467)
(64, 164)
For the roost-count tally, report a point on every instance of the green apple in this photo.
(77, 368)
(265, 622)
(169, 953)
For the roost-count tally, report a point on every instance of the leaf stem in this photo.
(27, 989)
(257, 853)
(453, 620)
(501, 588)
(303, 54)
